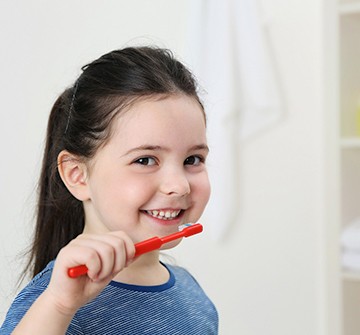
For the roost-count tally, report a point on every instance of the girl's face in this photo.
(151, 176)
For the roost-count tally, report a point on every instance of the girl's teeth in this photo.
(165, 215)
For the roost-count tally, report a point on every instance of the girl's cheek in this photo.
(206, 184)
(138, 187)
(204, 188)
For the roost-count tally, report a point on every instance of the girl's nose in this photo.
(175, 183)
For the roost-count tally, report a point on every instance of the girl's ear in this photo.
(73, 173)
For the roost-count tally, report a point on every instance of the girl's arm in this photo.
(44, 318)
(104, 255)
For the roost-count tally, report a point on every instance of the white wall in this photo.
(265, 277)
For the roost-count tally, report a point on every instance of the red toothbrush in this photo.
(151, 244)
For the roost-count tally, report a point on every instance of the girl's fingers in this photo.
(105, 255)
(128, 246)
(79, 254)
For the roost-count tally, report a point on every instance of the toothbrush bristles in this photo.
(185, 225)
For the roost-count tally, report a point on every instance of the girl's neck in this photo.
(144, 271)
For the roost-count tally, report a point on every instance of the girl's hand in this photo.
(104, 256)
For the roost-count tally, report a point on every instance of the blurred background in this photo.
(281, 84)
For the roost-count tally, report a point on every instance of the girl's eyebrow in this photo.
(200, 147)
(158, 148)
(144, 148)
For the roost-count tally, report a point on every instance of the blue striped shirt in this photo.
(177, 307)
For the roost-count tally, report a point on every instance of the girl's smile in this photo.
(164, 214)
(150, 177)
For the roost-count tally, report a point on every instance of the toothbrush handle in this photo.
(151, 244)
(77, 271)
(143, 247)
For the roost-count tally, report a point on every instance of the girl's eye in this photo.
(146, 161)
(193, 160)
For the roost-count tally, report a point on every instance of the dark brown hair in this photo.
(80, 123)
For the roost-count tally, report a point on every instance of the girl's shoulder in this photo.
(182, 276)
(42, 279)
(37, 285)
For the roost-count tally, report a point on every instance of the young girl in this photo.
(124, 161)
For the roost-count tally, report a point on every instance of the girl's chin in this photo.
(162, 227)
(171, 244)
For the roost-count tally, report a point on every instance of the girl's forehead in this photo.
(158, 111)
(174, 117)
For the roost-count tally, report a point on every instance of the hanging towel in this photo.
(261, 102)
(351, 260)
(350, 236)
(350, 243)
(228, 53)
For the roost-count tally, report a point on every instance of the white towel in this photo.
(261, 102)
(351, 260)
(350, 236)
(228, 52)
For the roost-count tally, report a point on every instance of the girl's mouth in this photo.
(164, 214)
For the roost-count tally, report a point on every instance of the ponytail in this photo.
(60, 216)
